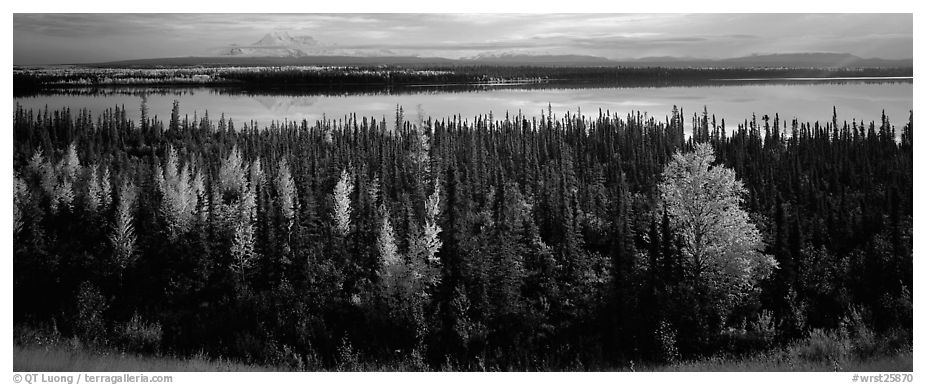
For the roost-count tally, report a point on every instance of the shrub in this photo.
(852, 327)
(44, 335)
(90, 324)
(764, 328)
(139, 335)
(822, 346)
(348, 358)
(415, 361)
(666, 343)
(756, 335)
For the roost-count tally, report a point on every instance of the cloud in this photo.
(70, 37)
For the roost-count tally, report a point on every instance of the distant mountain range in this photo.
(800, 60)
(281, 48)
(527, 59)
(836, 60)
(284, 45)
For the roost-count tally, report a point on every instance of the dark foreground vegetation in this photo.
(46, 351)
(515, 243)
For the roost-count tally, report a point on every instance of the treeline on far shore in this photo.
(30, 80)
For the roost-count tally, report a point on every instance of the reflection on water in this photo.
(732, 101)
(285, 106)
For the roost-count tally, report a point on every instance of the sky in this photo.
(85, 38)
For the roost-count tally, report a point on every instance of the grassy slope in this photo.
(778, 362)
(60, 359)
(50, 359)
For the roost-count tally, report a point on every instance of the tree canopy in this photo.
(526, 242)
(721, 247)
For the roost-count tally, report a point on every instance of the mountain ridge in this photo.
(793, 60)
(280, 47)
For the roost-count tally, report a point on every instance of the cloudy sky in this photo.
(77, 38)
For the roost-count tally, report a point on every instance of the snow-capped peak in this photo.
(284, 39)
(277, 44)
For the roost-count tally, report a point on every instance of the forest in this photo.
(29, 80)
(571, 242)
(408, 89)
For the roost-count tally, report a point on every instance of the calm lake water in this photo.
(733, 101)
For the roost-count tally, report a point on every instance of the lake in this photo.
(807, 100)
